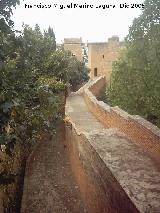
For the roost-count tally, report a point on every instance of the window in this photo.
(95, 71)
(103, 56)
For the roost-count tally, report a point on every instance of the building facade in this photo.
(101, 56)
(74, 45)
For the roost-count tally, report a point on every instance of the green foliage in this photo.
(135, 81)
(33, 82)
(30, 98)
(103, 96)
(78, 73)
(6, 7)
(51, 83)
(35, 49)
(67, 68)
(33, 79)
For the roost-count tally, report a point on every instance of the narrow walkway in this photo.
(80, 115)
(133, 169)
(49, 186)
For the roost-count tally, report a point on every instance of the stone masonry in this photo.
(115, 170)
(101, 56)
(75, 46)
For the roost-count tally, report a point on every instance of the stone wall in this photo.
(116, 167)
(75, 46)
(101, 56)
(98, 187)
(135, 127)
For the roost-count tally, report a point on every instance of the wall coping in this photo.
(141, 121)
(126, 174)
(128, 162)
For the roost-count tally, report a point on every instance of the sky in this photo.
(96, 23)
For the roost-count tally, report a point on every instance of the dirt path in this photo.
(49, 186)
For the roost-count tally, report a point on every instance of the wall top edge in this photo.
(143, 122)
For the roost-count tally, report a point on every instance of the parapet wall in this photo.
(98, 187)
(135, 127)
(112, 171)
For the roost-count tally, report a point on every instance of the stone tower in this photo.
(75, 46)
(101, 56)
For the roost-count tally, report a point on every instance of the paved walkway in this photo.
(80, 115)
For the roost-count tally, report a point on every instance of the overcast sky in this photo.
(92, 24)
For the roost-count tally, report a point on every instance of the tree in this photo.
(78, 73)
(6, 11)
(7, 37)
(29, 94)
(33, 77)
(135, 81)
(50, 34)
(32, 88)
(67, 68)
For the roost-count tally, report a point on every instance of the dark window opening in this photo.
(95, 71)
(103, 56)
